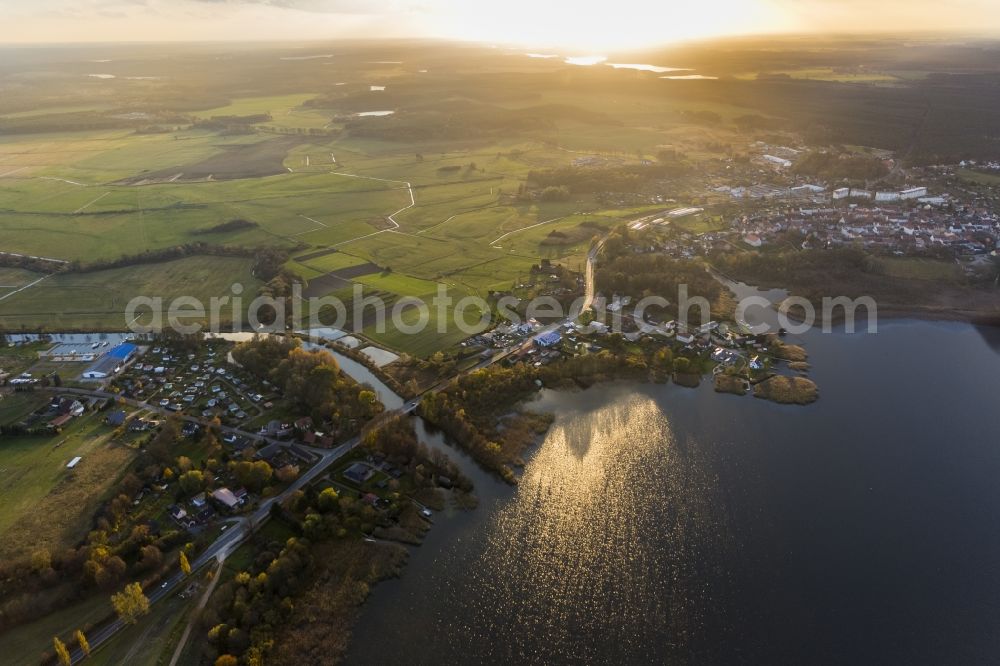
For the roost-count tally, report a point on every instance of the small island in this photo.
(787, 390)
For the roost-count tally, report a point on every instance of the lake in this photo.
(647, 68)
(657, 524)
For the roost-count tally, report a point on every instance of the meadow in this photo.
(97, 300)
(34, 479)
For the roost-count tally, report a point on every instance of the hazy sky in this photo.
(578, 24)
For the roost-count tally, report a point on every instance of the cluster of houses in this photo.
(819, 193)
(61, 410)
(23, 382)
(893, 228)
(188, 382)
(118, 418)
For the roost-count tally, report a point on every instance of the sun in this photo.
(591, 26)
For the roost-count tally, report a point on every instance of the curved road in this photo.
(244, 526)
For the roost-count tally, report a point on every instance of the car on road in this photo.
(164, 402)
(426, 513)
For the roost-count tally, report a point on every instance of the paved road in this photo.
(228, 541)
(242, 527)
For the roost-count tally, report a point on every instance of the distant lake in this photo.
(585, 61)
(691, 77)
(364, 114)
(307, 57)
(658, 524)
(647, 68)
(376, 88)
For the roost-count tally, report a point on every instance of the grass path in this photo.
(532, 226)
(27, 286)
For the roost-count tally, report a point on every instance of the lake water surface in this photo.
(657, 524)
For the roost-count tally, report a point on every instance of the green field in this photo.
(74, 202)
(921, 269)
(285, 111)
(979, 177)
(463, 150)
(98, 300)
(34, 480)
(829, 74)
(27, 643)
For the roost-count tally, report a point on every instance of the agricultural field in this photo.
(829, 74)
(248, 106)
(97, 300)
(12, 279)
(95, 169)
(34, 478)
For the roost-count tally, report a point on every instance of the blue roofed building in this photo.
(111, 362)
(123, 352)
(548, 339)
